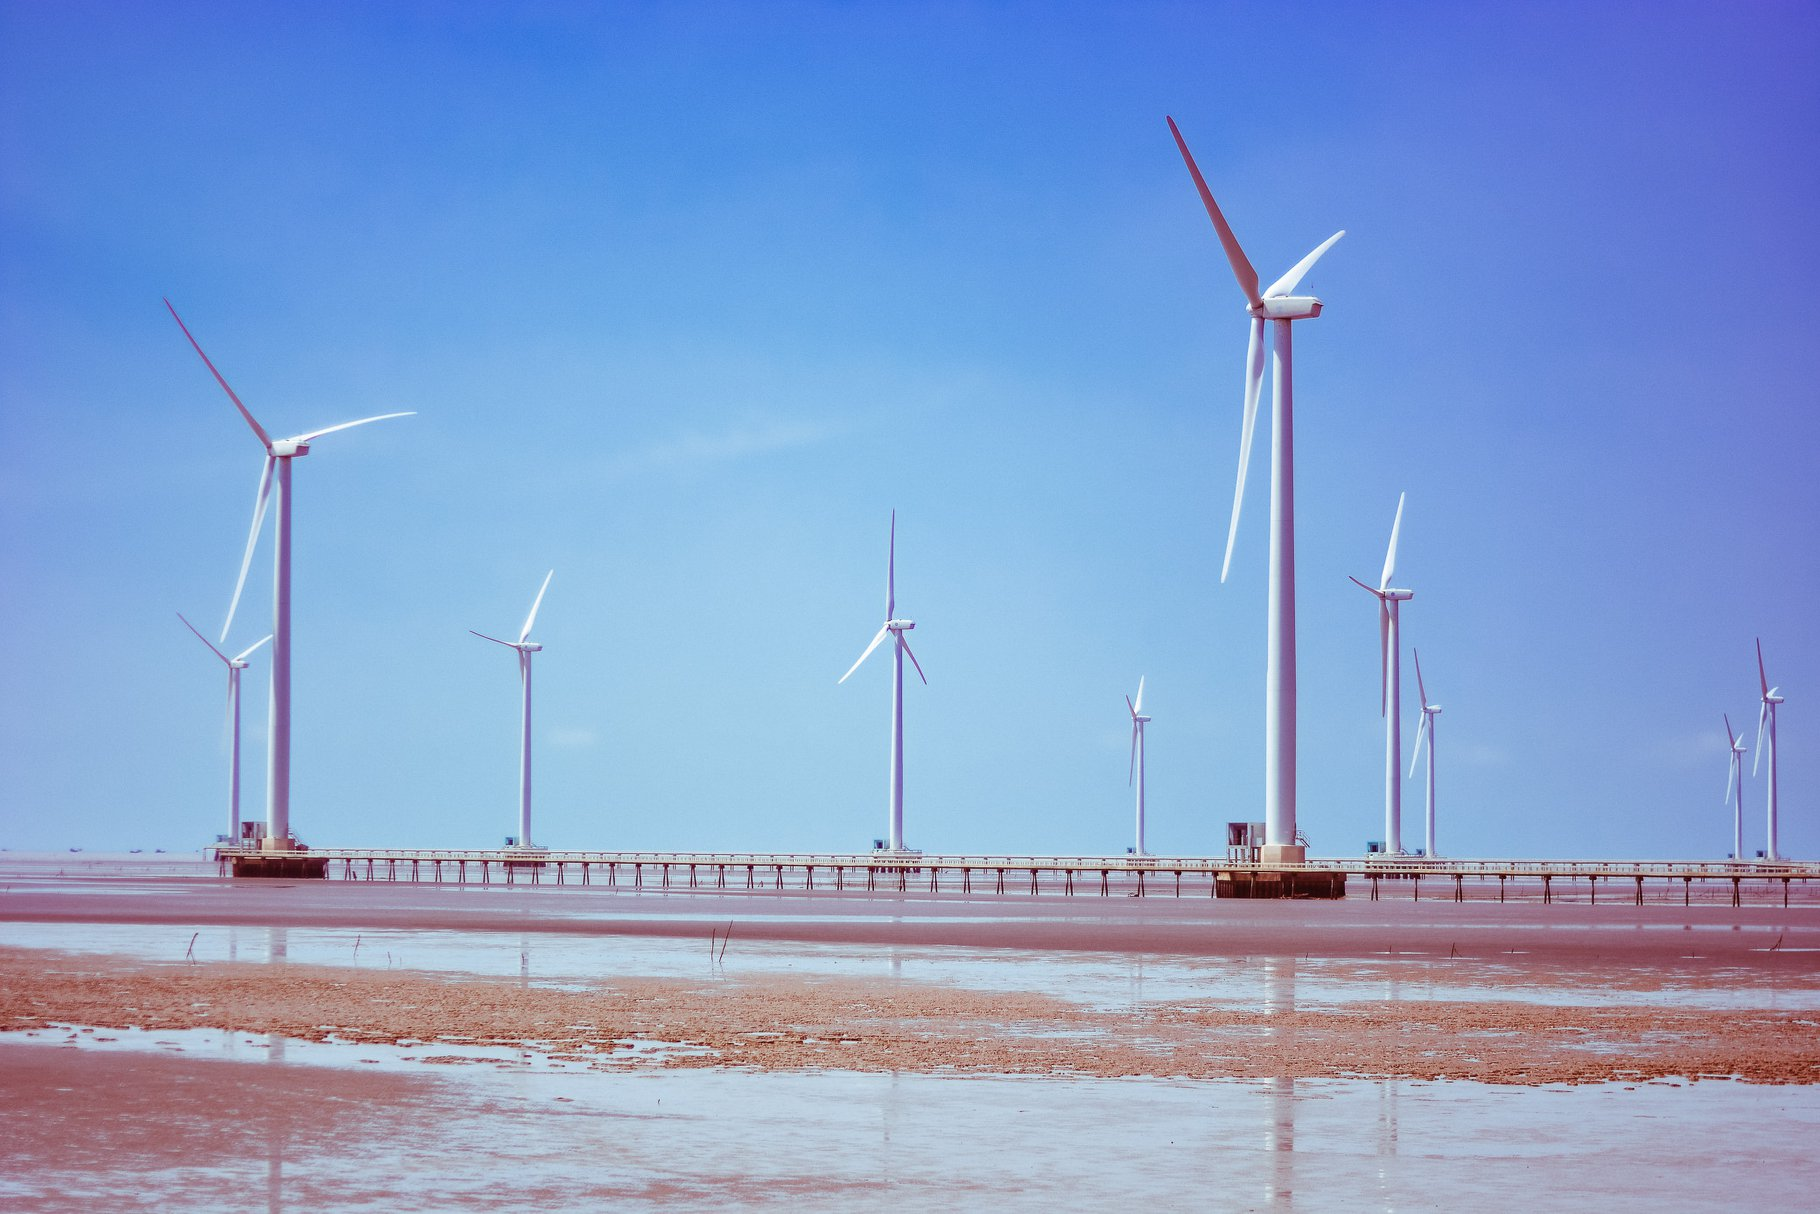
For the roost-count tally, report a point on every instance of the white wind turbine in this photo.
(235, 665)
(900, 646)
(1274, 303)
(279, 453)
(1390, 697)
(1426, 730)
(1138, 721)
(1734, 787)
(525, 647)
(1766, 716)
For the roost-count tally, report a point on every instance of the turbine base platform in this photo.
(1268, 883)
(1282, 853)
(308, 868)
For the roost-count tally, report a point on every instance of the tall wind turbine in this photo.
(1274, 303)
(1138, 721)
(1734, 787)
(1426, 730)
(278, 456)
(1766, 716)
(1390, 698)
(900, 646)
(525, 647)
(235, 665)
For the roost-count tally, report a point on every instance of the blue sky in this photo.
(688, 297)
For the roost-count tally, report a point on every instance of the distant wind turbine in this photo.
(525, 647)
(1766, 716)
(1734, 787)
(278, 456)
(896, 628)
(1391, 691)
(1426, 730)
(235, 665)
(1274, 303)
(1138, 721)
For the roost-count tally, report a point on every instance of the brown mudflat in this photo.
(787, 1022)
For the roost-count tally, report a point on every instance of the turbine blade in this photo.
(1421, 690)
(865, 655)
(258, 430)
(1757, 758)
(525, 632)
(1731, 738)
(524, 666)
(1254, 382)
(1132, 774)
(252, 540)
(1731, 777)
(224, 657)
(248, 652)
(1241, 265)
(227, 715)
(913, 661)
(483, 636)
(1287, 283)
(1139, 706)
(315, 434)
(1132, 708)
(1761, 676)
(1415, 756)
(891, 572)
(1371, 590)
(1390, 555)
(1383, 657)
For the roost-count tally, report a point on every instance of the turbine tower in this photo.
(235, 665)
(525, 647)
(1276, 304)
(1734, 788)
(1138, 721)
(900, 646)
(1390, 698)
(1766, 716)
(279, 453)
(1426, 730)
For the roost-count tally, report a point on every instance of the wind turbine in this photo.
(1138, 721)
(1274, 303)
(1426, 730)
(1772, 696)
(1734, 787)
(1390, 696)
(278, 456)
(900, 646)
(235, 665)
(525, 647)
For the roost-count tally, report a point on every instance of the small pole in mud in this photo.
(189, 954)
(724, 939)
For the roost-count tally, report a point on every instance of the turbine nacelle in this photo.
(288, 448)
(1286, 307)
(900, 625)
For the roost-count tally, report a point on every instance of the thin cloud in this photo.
(695, 451)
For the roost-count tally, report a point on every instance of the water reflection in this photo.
(1279, 1130)
(278, 1130)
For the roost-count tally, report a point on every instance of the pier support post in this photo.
(1374, 887)
(1592, 885)
(1501, 877)
(1546, 894)
(1459, 889)
(1105, 883)
(1687, 891)
(1033, 882)
(1001, 880)
(1178, 882)
(1639, 889)
(1067, 881)
(1737, 891)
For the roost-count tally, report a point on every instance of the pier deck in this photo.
(1758, 882)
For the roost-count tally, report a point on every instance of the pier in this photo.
(1374, 876)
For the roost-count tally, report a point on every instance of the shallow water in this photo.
(501, 1133)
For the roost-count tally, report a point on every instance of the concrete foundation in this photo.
(309, 868)
(1262, 883)
(1282, 853)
